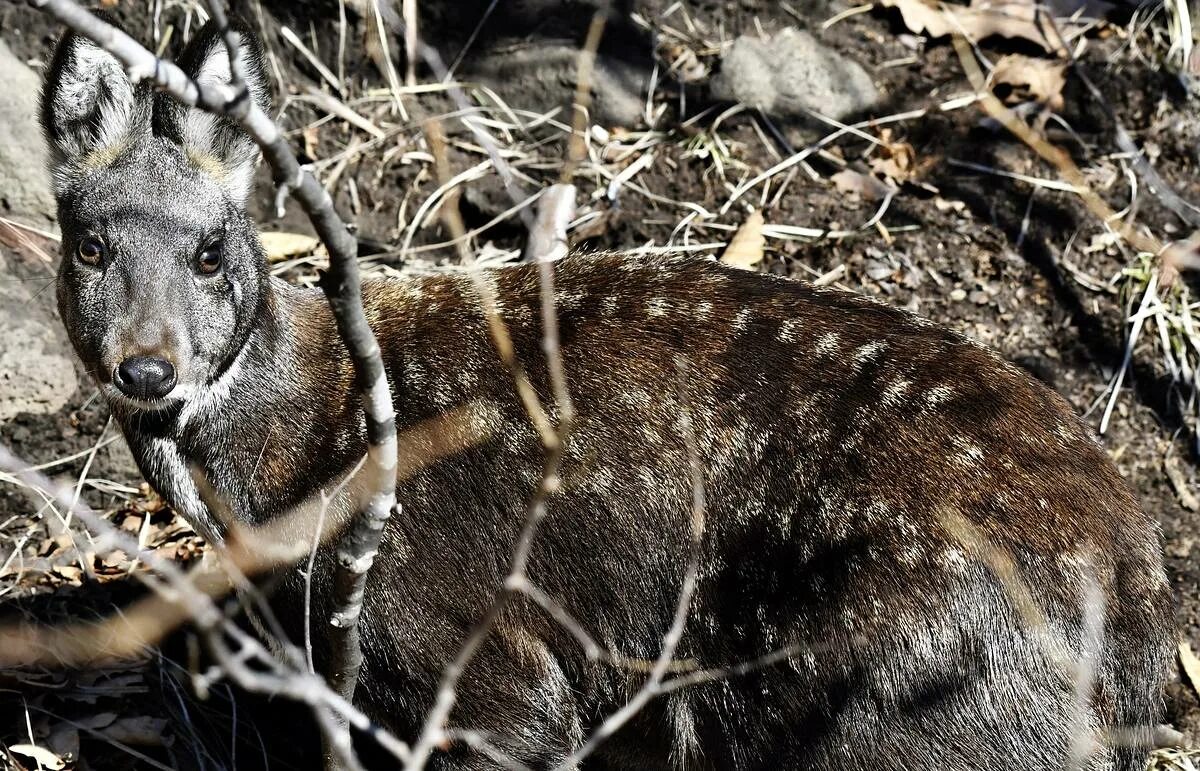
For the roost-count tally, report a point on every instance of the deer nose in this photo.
(145, 377)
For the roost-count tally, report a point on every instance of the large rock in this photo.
(37, 369)
(48, 405)
(24, 186)
(790, 73)
(541, 75)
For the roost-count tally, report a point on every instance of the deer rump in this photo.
(957, 571)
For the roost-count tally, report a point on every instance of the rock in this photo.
(540, 75)
(24, 184)
(37, 369)
(790, 72)
(48, 404)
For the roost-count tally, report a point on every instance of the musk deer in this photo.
(845, 447)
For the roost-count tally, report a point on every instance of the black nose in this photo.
(145, 377)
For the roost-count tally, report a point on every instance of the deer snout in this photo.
(145, 377)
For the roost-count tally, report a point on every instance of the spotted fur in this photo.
(848, 449)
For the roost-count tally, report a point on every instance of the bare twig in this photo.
(554, 439)
(653, 687)
(433, 60)
(180, 597)
(548, 235)
(1055, 156)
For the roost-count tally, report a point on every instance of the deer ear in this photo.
(91, 112)
(216, 144)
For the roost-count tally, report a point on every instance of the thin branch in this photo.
(180, 596)
(653, 687)
(1186, 211)
(548, 236)
(237, 82)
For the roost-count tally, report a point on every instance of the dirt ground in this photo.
(967, 240)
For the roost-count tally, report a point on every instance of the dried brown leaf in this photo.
(70, 574)
(980, 19)
(141, 731)
(745, 250)
(42, 756)
(97, 720)
(282, 245)
(1190, 665)
(1029, 79)
(64, 741)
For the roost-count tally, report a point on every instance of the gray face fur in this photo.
(158, 186)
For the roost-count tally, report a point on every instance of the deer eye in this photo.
(210, 258)
(90, 250)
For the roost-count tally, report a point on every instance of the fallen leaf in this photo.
(1190, 664)
(745, 250)
(44, 757)
(867, 186)
(115, 559)
(28, 241)
(97, 720)
(981, 19)
(944, 204)
(70, 574)
(281, 245)
(64, 741)
(683, 62)
(1025, 78)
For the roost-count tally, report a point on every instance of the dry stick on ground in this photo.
(342, 288)
(1172, 257)
(558, 205)
(1167, 196)
(1158, 186)
(433, 60)
(1055, 156)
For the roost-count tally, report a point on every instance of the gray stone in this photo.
(37, 369)
(790, 72)
(540, 76)
(24, 185)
